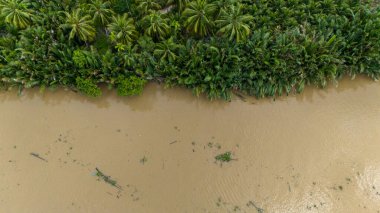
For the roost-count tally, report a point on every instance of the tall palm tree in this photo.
(198, 16)
(233, 24)
(145, 5)
(80, 25)
(16, 13)
(122, 29)
(156, 25)
(100, 11)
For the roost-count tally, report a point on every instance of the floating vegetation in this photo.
(225, 157)
(107, 178)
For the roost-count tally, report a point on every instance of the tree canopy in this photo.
(258, 47)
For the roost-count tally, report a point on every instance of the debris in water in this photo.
(258, 209)
(173, 142)
(290, 189)
(107, 179)
(143, 160)
(38, 156)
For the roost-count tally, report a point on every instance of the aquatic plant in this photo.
(260, 48)
(130, 86)
(106, 178)
(87, 87)
(224, 157)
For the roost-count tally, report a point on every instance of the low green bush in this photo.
(130, 86)
(87, 87)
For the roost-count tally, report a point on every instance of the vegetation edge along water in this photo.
(258, 47)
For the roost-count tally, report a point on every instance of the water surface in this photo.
(314, 152)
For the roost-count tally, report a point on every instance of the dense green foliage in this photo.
(259, 47)
(87, 87)
(130, 86)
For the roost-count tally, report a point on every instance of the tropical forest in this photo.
(261, 48)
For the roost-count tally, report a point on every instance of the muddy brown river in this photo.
(314, 152)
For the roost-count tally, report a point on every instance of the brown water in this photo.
(315, 152)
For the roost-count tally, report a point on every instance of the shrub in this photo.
(130, 86)
(87, 87)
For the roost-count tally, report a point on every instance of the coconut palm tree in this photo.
(122, 29)
(198, 16)
(16, 13)
(224, 5)
(81, 25)
(156, 25)
(167, 50)
(145, 5)
(233, 24)
(100, 11)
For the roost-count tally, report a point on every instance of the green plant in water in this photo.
(130, 86)
(88, 87)
(106, 178)
(224, 157)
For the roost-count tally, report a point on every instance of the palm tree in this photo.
(224, 5)
(166, 50)
(233, 24)
(180, 4)
(156, 26)
(198, 16)
(81, 26)
(16, 13)
(145, 5)
(122, 29)
(100, 11)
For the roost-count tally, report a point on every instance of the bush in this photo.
(130, 86)
(87, 87)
